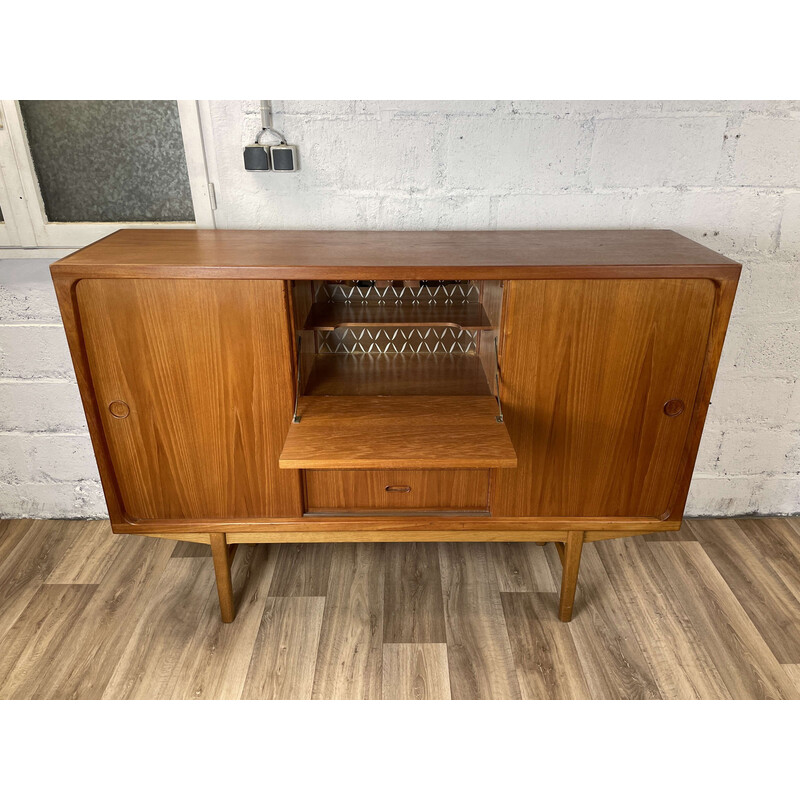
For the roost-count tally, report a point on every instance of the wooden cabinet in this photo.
(245, 386)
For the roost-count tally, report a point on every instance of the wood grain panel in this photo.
(776, 539)
(285, 652)
(412, 606)
(12, 532)
(742, 658)
(410, 527)
(397, 433)
(350, 655)
(479, 654)
(399, 255)
(217, 660)
(191, 550)
(31, 549)
(793, 672)
(150, 665)
(92, 551)
(179, 647)
(723, 306)
(770, 604)
(547, 663)
(99, 638)
(397, 374)
(302, 570)
(489, 340)
(415, 672)
(657, 609)
(48, 618)
(204, 367)
(587, 367)
(681, 665)
(366, 490)
(521, 567)
(614, 665)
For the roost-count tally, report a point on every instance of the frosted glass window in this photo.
(109, 160)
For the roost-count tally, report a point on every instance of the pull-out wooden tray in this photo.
(397, 433)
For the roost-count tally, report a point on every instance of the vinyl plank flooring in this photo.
(413, 609)
(741, 656)
(415, 671)
(793, 672)
(479, 654)
(302, 570)
(104, 628)
(218, 658)
(770, 604)
(547, 663)
(150, 665)
(709, 611)
(92, 549)
(682, 668)
(778, 540)
(350, 656)
(285, 651)
(521, 567)
(26, 565)
(614, 666)
(191, 550)
(12, 532)
(38, 637)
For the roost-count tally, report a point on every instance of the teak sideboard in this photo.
(267, 386)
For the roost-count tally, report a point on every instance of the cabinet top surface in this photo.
(279, 251)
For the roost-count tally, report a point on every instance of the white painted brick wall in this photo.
(47, 468)
(767, 152)
(726, 174)
(656, 152)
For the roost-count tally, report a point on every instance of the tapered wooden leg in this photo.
(222, 556)
(570, 554)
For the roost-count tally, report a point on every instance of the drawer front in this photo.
(385, 490)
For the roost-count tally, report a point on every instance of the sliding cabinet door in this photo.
(599, 379)
(193, 380)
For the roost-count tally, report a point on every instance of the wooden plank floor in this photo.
(712, 611)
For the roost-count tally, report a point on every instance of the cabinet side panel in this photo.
(194, 386)
(587, 368)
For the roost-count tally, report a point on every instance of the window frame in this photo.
(26, 224)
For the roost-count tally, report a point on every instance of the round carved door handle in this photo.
(674, 408)
(119, 409)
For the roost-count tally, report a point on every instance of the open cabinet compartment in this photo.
(397, 375)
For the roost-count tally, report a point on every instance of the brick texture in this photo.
(726, 174)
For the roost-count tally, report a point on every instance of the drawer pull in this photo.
(405, 489)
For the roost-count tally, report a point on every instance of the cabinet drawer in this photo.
(412, 490)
